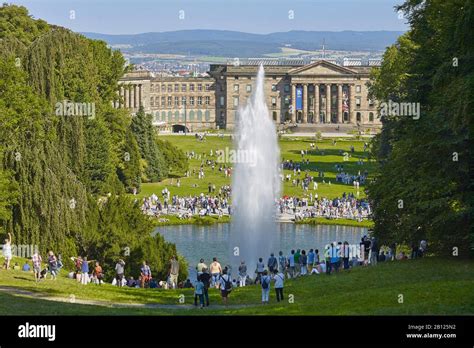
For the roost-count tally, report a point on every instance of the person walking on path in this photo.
(279, 280)
(265, 282)
(174, 272)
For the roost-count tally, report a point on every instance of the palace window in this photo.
(183, 100)
(371, 117)
(207, 116)
(163, 101)
(248, 88)
(358, 88)
(152, 88)
(163, 88)
(357, 99)
(236, 88)
(287, 100)
(274, 102)
(183, 87)
(176, 87)
(236, 101)
(176, 101)
(287, 88)
(191, 101)
(358, 117)
(191, 87)
(207, 100)
(208, 87)
(152, 101)
(199, 101)
(371, 102)
(170, 88)
(275, 115)
(274, 87)
(199, 87)
(221, 101)
(170, 102)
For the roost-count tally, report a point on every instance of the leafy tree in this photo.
(420, 189)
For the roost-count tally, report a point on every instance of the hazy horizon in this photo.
(123, 17)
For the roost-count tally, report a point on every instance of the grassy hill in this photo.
(429, 286)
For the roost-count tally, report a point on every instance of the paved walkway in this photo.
(73, 300)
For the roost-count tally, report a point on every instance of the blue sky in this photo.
(255, 16)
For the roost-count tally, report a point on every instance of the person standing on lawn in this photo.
(272, 263)
(174, 271)
(279, 279)
(37, 260)
(265, 283)
(7, 251)
(242, 273)
(216, 271)
(205, 278)
(225, 282)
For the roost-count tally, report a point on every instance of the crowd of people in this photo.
(336, 257)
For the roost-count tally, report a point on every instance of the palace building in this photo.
(306, 95)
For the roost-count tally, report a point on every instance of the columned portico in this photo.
(328, 104)
(351, 104)
(339, 103)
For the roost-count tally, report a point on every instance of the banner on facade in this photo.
(299, 98)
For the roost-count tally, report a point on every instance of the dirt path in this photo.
(73, 300)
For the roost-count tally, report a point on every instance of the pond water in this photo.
(195, 242)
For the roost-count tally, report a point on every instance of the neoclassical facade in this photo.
(307, 95)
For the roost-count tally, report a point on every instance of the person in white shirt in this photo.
(278, 278)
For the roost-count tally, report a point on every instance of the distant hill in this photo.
(238, 44)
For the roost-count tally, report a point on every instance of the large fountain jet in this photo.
(256, 183)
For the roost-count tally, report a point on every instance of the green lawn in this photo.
(290, 149)
(429, 286)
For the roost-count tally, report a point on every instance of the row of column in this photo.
(317, 109)
(130, 96)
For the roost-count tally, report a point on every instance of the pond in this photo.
(195, 242)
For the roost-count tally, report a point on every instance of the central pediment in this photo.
(321, 67)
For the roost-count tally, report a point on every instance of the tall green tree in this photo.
(421, 189)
